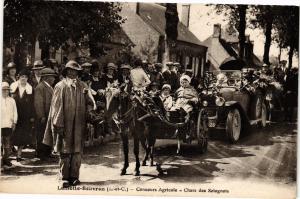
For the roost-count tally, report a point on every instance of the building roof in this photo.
(229, 42)
(154, 15)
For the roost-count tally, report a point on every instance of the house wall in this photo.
(140, 33)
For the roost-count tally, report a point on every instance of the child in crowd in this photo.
(9, 118)
(165, 97)
(185, 95)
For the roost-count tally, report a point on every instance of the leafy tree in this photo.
(287, 31)
(52, 23)
(265, 17)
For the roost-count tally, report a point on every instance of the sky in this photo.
(201, 24)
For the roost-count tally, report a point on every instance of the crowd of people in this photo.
(44, 107)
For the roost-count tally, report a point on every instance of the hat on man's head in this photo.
(166, 86)
(169, 63)
(48, 72)
(158, 65)
(38, 65)
(73, 65)
(86, 65)
(186, 77)
(5, 86)
(176, 64)
(125, 66)
(154, 84)
(11, 65)
(111, 66)
(24, 72)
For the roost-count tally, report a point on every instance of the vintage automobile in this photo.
(232, 103)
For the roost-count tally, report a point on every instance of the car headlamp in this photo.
(220, 101)
(204, 103)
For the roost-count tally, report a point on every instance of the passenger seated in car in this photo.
(154, 89)
(222, 80)
(185, 95)
(166, 97)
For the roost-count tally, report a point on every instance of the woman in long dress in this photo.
(22, 93)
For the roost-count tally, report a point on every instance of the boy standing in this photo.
(9, 118)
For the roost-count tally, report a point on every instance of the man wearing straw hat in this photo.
(42, 101)
(38, 65)
(9, 118)
(67, 122)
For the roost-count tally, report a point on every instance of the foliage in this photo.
(52, 23)
(287, 28)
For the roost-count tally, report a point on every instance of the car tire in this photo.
(256, 107)
(202, 132)
(264, 114)
(233, 125)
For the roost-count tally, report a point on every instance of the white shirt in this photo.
(38, 78)
(9, 114)
(21, 90)
(139, 78)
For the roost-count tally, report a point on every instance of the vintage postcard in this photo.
(149, 99)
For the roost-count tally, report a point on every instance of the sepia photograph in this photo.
(179, 99)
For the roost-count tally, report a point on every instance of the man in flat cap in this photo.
(42, 101)
(67, 122)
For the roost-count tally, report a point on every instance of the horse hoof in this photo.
(161, 173)
(137, 173)
(123, 172)
(151, 164)
(144, 164)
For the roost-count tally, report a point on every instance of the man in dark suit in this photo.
(42, 101)
(170, 76)
(36, 76)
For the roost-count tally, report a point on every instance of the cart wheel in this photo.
(233, 125)
(202, 134)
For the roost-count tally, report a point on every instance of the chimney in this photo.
(217, 31)
(185, 15)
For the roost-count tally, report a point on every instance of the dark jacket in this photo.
(23, 134)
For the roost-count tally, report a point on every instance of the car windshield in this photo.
(224, 78)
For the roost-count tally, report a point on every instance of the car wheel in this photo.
(264, 115)
(202, 134)
(233, 125)
(256, 107)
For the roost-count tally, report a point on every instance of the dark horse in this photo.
(130, 115)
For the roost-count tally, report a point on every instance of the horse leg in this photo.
(178, 146)
(152, 151)
(145, 144)
(136, 153)
(148, 151)
(124, 138)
